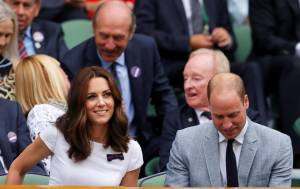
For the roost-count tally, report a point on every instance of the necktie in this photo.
(196, 16)
(114, 73)
(22, 49)
(206, 114)
(231, 169)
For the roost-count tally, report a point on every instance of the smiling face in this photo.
(26, 11)
(112, 29)
(6, 32)
(99, 102)
(197, 72)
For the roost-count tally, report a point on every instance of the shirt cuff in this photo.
(297, 52)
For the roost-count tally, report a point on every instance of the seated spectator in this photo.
(90, 144)
(231, 150)
(276, 47)
(8, 51)
(62, 10)
(202, 65)
(14, 136)
(187, 25)
(37, 36)
(41, 89)
(134, 61)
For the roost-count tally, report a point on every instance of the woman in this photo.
(8, 51)
(41, 89)
(90, 144)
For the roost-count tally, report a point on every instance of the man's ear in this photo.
(246, 101)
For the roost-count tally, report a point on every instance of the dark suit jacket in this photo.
(13, 124)
(180, 119)
(141, 53)
(166, 21)
(53, 43)
(275, 26)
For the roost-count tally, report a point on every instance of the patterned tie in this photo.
(196, 16)
(22, 49)
(231, 169)
(114, 73)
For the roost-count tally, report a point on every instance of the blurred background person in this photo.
(62, 10)
(37, 36)
(90, 144)
(41, 88)
(9, 55)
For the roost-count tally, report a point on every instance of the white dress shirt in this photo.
(237, 147)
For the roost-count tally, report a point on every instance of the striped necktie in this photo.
(196, 18)
(22, 49)
(113, 68)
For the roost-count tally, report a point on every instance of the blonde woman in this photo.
(41, 89)
(8, 51)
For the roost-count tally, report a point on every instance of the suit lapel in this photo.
(5, 147)
(248, 152)
(209, 6)
(295, 6)
(211, 146)
(91, 54)
(181, 12)
(189, 117)
(133, 63)
(38, 38)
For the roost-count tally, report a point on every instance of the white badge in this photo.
(38, 36)
(135, 71)
(37, 45)
(12, 137)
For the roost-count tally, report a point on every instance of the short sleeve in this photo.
(49, 137)
(136, 156)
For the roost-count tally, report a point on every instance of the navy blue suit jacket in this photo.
(13, 123)
(53, 43)
(180, 119)
(152, 83)
(166, 21)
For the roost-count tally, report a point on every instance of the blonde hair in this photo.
(11, 51)
(38, 81)
(221, 62)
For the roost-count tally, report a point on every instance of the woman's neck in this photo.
(99, 133)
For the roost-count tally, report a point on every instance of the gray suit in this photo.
(266, 158)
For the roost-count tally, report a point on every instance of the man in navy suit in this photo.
(14, 135)
(276, 47)
(173, 32)
(39, 36)
(200, 68)
(133, 60)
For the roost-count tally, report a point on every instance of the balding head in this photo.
(225, 83)
(115, 9)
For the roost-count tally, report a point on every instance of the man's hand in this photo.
(221, 37)
(201, 41)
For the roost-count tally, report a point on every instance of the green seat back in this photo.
(296, 178)
(30, 179)
(296, 126)
(155, 180)
(76, 31)
(244, 42)
(151, 165)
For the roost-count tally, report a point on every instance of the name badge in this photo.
(111, 157)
